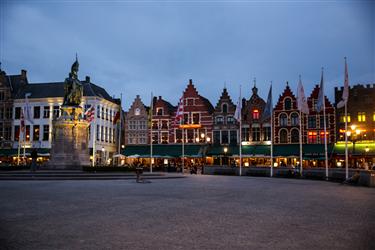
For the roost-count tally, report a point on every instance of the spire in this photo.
(255, 89)
(225, 85)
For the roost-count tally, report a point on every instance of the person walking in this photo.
(34, 157)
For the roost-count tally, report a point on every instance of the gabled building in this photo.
(10, 85)
(315, 120)
(197, 117)
(163, 121)
(254, 129)
(136, 123)
(45, 100)
(225, 128)
(286, 118)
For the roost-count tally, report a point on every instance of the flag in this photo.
(180, 111)
(22, 122)
(116, 118)
(345, 93)
(301, 99)
(237, 113)
(27, 109)
(320, 104)
(268, 108)
(151, 110)
(90, 114)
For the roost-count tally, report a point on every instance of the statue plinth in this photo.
(69, 149)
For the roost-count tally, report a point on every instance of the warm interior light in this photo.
(367, 149)
(358, 131)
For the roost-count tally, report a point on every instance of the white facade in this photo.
(39, 134)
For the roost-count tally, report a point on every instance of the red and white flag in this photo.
(90, 114)
(180, 111)
(345, 93)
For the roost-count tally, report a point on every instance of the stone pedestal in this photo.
(70, 140)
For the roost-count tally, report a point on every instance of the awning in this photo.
(163, 151)
(310, 151)
(359, 148)
(8, 152)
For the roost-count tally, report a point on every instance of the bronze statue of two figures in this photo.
(73, 89)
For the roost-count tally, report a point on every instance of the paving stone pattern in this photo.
(198, 212)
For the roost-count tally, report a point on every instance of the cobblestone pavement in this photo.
(198, 212)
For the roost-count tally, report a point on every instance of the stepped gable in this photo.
(314, 96)
(286, 93)
(225, 98)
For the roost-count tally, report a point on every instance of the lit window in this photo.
(255, 114)
(312, 136)
(361, 116)
(342, 118)
(322, 137)
(373, 116)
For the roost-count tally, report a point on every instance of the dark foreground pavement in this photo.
(198, 212)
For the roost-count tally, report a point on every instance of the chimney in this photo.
(159, 97)
(87, 78)
(190, 81)
(23, 73)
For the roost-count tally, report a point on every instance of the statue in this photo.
(73, 89)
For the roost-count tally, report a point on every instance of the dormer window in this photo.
(224, 108)
(159, 111)
(287, 104)
(255, 114)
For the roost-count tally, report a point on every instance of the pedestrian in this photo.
(139, 171)
(34, 157)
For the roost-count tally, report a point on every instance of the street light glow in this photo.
(225, 149)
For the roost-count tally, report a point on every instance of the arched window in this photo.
(225, 108)
(287, 104)
(283, 136)
(283, 120)
(294, 119)
(294, 136)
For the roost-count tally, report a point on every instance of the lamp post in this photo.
(103, 151)
(354, 134)
(225, 152)
(367, 149)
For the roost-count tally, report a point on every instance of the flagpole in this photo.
(271, 121)
(119, 132)
(183, 150)
(94, 135)
(151, 139)
(325, 128)
(19, 147)
(240, 103)
(346, 144)
(300, 141)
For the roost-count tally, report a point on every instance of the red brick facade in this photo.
(254, 130)
(225, 125)
(197, 111)
(163, 121)
(315, 122)
(286, 120)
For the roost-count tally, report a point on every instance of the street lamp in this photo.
(103, 151)
(225, 152)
